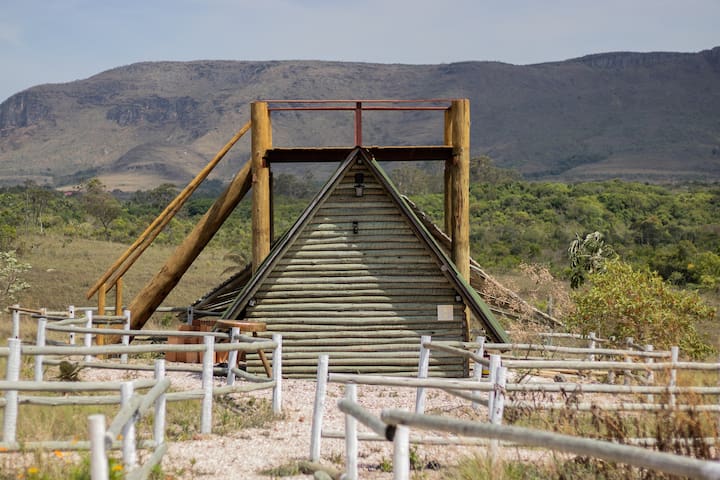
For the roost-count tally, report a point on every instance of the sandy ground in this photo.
(247, 453)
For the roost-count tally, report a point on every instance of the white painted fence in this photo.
(132, 405)
(492, 390)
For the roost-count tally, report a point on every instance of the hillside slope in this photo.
(649, 116)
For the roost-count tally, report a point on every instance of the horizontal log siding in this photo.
(363, 298)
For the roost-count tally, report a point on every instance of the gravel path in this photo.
(248, 452)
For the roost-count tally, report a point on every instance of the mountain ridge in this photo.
(642, 116)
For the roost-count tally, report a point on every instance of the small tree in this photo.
(100, 204)
(587, 256)
(11, 281)
(623, 302)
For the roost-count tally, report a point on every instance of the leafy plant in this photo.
(587, 255)
(69, 371)
(11, 276)
(622, 301)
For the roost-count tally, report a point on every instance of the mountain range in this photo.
(641, 116)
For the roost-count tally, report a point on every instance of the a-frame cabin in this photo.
(359, 277)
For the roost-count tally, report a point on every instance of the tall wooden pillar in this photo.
(447, 136)
(460, 191)
(261, 214)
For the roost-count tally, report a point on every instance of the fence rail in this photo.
(493, 386)
(132, 404)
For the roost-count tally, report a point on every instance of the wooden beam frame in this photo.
(460, 191)
(261, 213)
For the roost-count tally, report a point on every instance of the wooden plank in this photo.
(261, 215)
(381, 153)
(303, 298)
(339, 261)
(360, 279)
(154, 292)
(346, 307)
(411, 336)
(404, 245)
(376, 316)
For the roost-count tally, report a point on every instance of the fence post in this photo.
(40, 342)
(591, 346)
(11, 396)
(15, 322)
(232, 356)
(351, 440)
(128, 430)
(88, 336)
(477, 367)
(650, 377)
(423, 369)
(207, 384)
(496, 415)
(494, 365)
(319, 407)
(674, 355)
(160, 404)
(401, 453)
(629, 343)
(98, 456)
(71, 314)
(277, 374)
(126, 337)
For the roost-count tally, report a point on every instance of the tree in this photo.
(11, 281)
(587, 256)
(623, 302)
(100, 204)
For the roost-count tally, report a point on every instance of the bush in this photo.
(623, 302)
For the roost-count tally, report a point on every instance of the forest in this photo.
(673, 230)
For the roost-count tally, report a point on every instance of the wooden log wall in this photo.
(358, 284)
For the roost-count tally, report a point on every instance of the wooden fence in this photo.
(132, 405)
(493, 388)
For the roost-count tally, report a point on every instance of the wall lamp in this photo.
(359, 184)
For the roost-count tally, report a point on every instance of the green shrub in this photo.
(621, 302)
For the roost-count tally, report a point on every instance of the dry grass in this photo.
(64, 269)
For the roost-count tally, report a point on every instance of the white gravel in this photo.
(246, 453)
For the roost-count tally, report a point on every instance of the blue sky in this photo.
(49, 41)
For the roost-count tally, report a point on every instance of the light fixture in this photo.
(359, 184)
(252, 302)
(356, 227)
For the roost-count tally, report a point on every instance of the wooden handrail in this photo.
(169, 212)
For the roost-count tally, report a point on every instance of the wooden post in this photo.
(157, 225)
(207, 385)
(12, 374)
(160, 404)
(128, 430)
(319, 407)
(40, 342)
(101, 299)
(98, 453)
(447, 135)
(261, 142)
(351, 440)
(460, 192)
(277, 374)
(118, 296)
(423, 369)
(153, 294)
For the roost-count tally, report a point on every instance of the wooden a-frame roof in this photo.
(469, 296)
